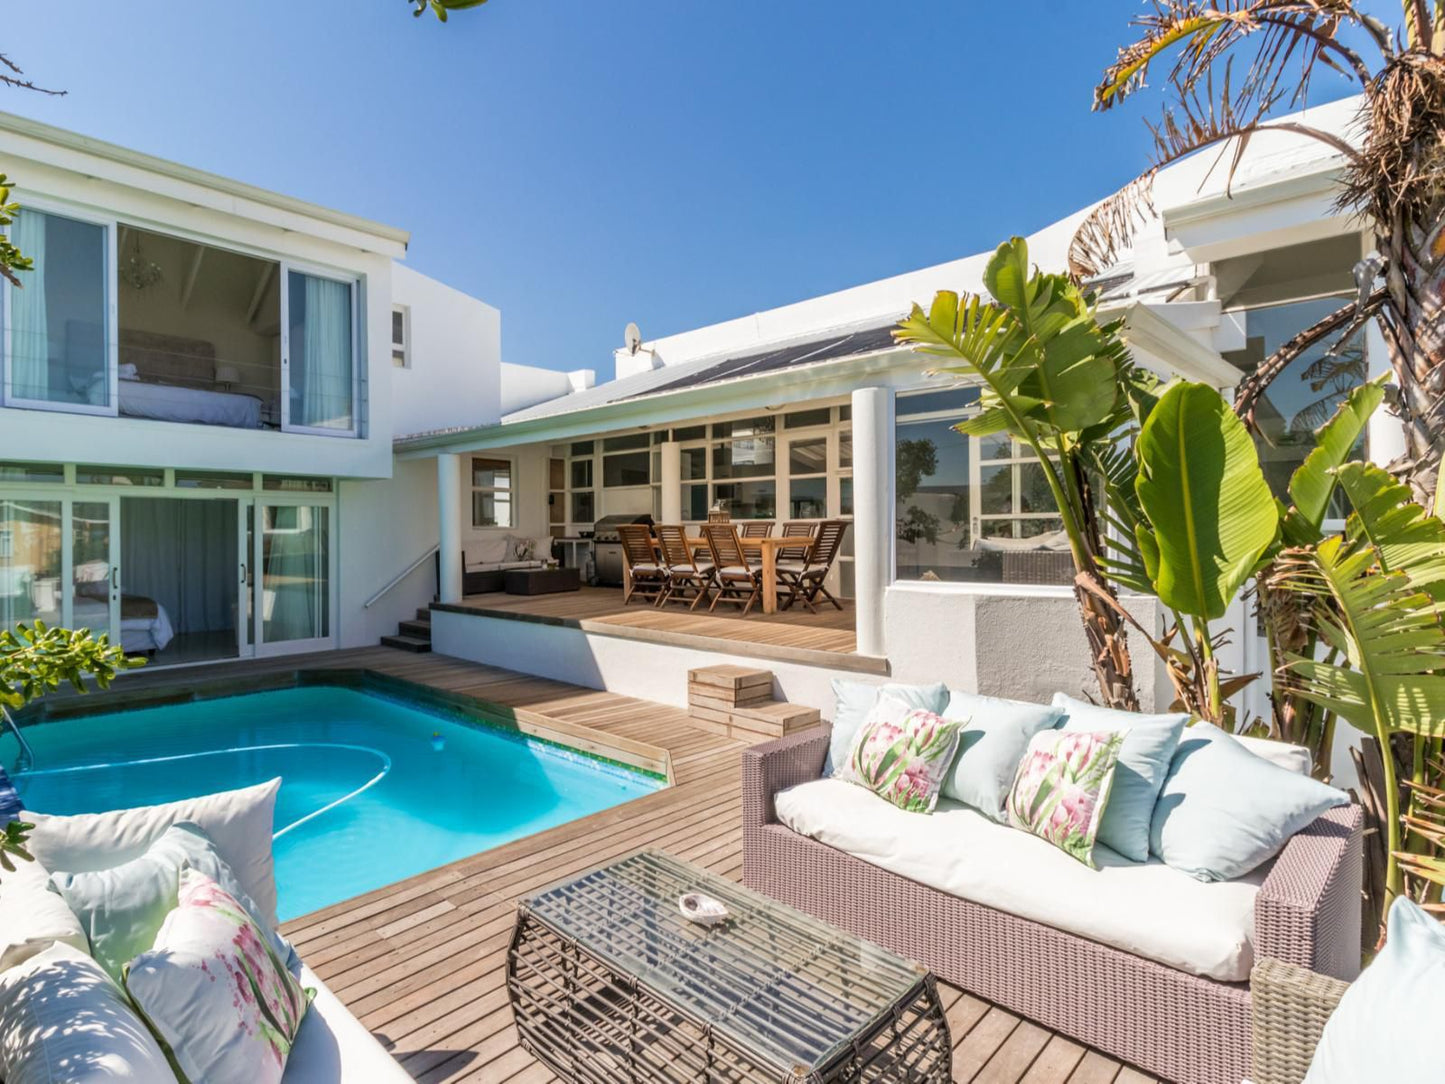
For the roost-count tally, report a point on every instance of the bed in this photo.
(173, 403)
(144, 624)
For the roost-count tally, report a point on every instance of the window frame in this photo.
(404, 347)
(359, 353)
(510, 490)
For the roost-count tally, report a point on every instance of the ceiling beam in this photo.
(190, 283)
(260, 294)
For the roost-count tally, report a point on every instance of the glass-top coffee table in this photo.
(610, 982)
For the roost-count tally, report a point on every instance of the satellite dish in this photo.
(632, 336)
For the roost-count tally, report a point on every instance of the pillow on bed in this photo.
(238, 822)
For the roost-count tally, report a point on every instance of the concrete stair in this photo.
(413, 635)
(737, 701)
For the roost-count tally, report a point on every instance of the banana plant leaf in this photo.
(1406, 538)
(1313, 483)
(1211, 516)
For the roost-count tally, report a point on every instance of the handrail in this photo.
(401, 576)
(27, 755)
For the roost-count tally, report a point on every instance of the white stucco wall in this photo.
(527, 385)
(1020, 642)
(384, 526)
(454, 371)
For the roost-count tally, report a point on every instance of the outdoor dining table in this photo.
(768, 549)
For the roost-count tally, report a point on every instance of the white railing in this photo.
(403, 574)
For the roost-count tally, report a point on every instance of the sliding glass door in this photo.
(58, 564)
(318, 354)
(57, 323)
(291, 573)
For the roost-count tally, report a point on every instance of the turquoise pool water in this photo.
(365, 798)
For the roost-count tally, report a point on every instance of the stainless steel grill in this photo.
(607, 545)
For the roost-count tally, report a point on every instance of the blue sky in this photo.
(580, 165)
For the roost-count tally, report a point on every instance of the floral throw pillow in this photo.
(902, 754)
(223, 1005)
(1062, 787)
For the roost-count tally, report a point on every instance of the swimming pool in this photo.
(366, 797)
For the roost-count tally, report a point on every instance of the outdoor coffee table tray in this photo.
(609, 981)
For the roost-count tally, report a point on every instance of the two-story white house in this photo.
(200, 382)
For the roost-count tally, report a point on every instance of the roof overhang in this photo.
(1171, 351)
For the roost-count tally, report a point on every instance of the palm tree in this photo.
(1395, 179)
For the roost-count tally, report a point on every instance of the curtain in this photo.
(29, 314)
(182, 553)
(294, 574)
(325, 354)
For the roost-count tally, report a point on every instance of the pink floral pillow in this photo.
(223, 1005)
(902, 754)
(1062, 786)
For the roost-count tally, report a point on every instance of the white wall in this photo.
(454, 375)
(1014, 641)
(385, 525)
(527, 385)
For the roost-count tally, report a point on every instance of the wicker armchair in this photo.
(1291, 1005)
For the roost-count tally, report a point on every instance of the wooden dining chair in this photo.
(792, 561)
(825, 551)
(646, 577)
(735, 579)
(688, 580)
(757, 528)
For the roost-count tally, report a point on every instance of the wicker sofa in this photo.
(1177, 1025)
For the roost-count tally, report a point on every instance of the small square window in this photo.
(401, 336)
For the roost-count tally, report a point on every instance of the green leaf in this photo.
(1211, 514)
(1313, 482)
(1406, 538)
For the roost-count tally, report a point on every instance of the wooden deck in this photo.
(794, 633)
(421, 962)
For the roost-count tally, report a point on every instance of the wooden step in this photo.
(424, 615)
(407, 643)
(419, 630)
(729, 686)
(738, 701)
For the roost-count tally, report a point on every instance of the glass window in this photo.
(32, 472)
(743, 458)
(295, 575)
(119, 476)
(400, 351)
(690, 432)
(322, 353)
(1306, 394)
(845, 449)
(626, 443)
(582, 447)
(30, 562)
(90, 573)
(744, 427)
(845, 412)
(583, 509)
(808, 456)
(213, 479)
(556, 474)
(954, 400)
(581, 474)
(492, 493)
(286, 484)
(932, 489)
(694, 463)
(808, 498)
(845, 496)
(803, 419)
(694, 503)
(749, 500)
(628, 469)
(59, 344)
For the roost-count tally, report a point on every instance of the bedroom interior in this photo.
(199, 331)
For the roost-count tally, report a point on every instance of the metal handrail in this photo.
(27, 755)
(401, 576)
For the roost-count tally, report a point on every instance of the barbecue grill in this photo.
(607, 545)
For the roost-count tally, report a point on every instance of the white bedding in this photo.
(169, 403)
(1144, 908)
(137, 634)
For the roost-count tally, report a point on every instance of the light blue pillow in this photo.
(1144, 761)
(1401, 994)
(990, 747)
(122, 908)
(1224, 811)
(853, 700)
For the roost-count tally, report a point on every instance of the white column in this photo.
(449, 524)
(873, 484)
(671, 452)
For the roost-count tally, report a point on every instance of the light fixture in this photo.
(137, 272)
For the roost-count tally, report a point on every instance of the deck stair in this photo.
(738, 702)
(413, 635)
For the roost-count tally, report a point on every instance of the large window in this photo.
(492, 493)
(58, 350)
(321, 370)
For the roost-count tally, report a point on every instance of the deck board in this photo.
(422, 962)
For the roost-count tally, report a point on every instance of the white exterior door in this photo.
(293, 579)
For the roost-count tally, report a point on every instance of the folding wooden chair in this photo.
(825, 551)
(687, 578)
(736, 580)
(646, 577)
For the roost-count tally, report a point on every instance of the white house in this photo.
(201, 385)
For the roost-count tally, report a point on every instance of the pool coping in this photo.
(640, 756)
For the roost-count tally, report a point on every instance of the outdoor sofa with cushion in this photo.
(48, 977)
(1138, 959)
(484, 562)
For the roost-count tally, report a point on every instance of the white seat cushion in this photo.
(333, 1047)
(648, 567)
(1146, 908)
(737, 570)
(33, 916)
